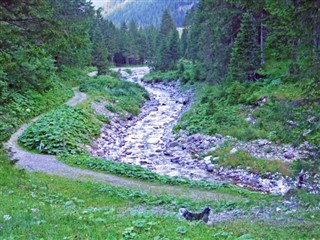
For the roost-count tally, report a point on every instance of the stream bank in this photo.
(147, 140)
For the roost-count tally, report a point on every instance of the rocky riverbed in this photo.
(147, 140)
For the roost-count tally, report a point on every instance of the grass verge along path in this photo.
(51, 166)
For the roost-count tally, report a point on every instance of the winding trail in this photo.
(50, 165)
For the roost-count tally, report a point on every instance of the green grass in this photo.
(35, 206)
(121, 96)
(244, 160)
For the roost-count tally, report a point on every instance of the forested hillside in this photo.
(45, 44)
(120, 128)
(256, 51)
(146, 12)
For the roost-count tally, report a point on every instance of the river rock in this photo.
(182, 100)
(207, 159)
(210, 167)
(167, 153)
(100, 153)
(175, 160)
(219, 136)
(262, 142)
(173, 144)
(288, 155)
(233, 150)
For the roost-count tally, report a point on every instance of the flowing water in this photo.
(147, 140)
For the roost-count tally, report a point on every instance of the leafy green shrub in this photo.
(111, 108)
(74, 76)
(61, 130)
(161, 76)
(128, 70)
(215, 117)
(103, 118)
(97, 84)
(21, 107)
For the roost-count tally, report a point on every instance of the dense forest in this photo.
(43, 44)
(241, 83)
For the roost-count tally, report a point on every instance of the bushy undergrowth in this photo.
(161, 76)
(137, 172)
(62, 130)
(19, 107)
(283, 118)
(122, 96)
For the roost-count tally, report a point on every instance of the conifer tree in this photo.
(99, 51)
(244, 60)
(167, 52)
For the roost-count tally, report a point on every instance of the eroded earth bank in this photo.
(147, 140)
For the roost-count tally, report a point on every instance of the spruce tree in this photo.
(99, 50)
(167, 52)
(245, 59)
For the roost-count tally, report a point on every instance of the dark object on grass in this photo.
(300, 179)
(191, 216)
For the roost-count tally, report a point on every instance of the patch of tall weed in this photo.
(62, 130)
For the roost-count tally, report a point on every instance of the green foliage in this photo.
(161, 76)
(62, 130)
(71, 41)
(20, 108)
(283, 118)
(123, 96)
(137, 172)
(275, 118)
(210, 37)
(103, 118)
(100, 52)
(244, 60)
(167, 52)
(245, 160)
(27, 68)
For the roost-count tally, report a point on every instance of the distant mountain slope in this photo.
(144, 12)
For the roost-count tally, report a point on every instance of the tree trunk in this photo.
(316, 38)
(262, 40)
(295, 49)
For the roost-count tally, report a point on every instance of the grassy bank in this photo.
(35, 206)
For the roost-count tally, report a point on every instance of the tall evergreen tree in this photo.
(244, 60)
(167, 52)
(99, 51)
(211, 37)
